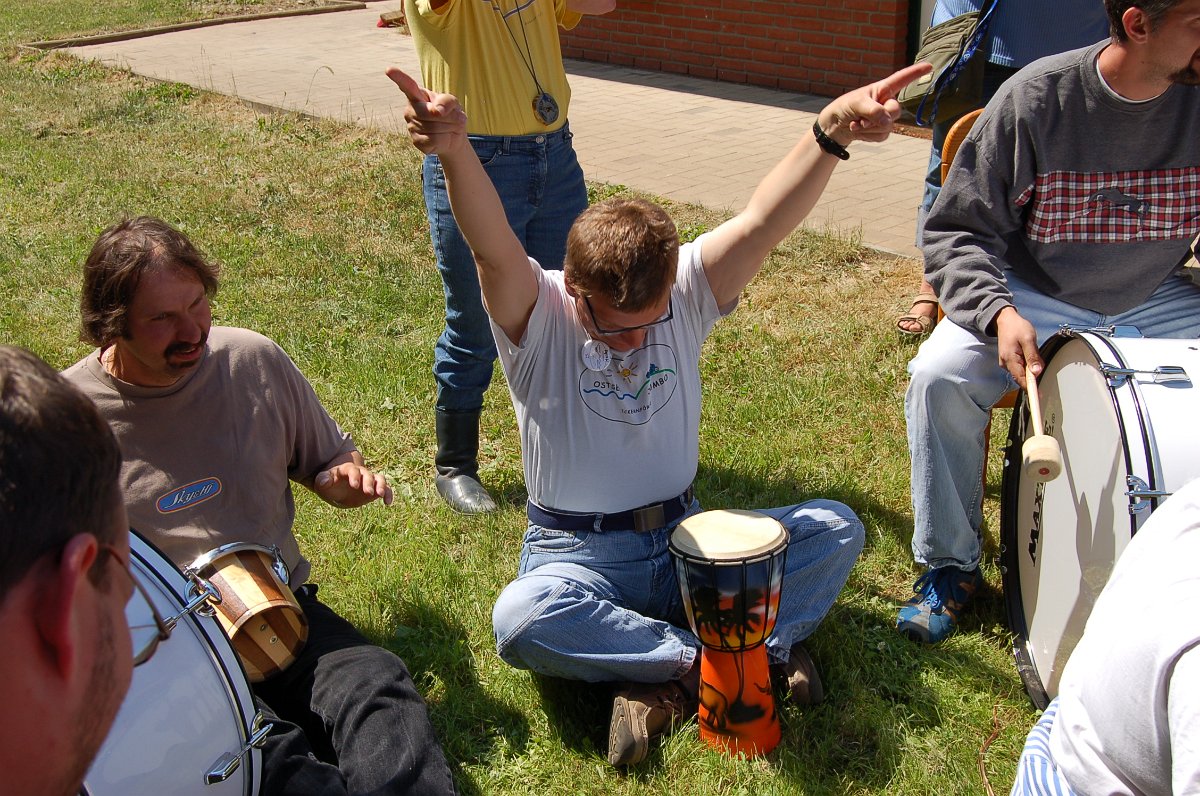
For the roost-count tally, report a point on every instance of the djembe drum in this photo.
(730, 567)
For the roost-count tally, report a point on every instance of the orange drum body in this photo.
(257, 610)
(730, 566)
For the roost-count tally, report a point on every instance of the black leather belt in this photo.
(647, 518)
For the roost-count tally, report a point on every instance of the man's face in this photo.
(111, 652)
(167, 328)
(1175, 45)
(600, 318)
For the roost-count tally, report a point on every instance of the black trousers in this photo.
(347, 717)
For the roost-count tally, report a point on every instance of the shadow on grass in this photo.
(467, 719)
(726, 488)
(578, 712)
(879, 698)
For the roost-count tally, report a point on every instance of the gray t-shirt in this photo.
(1088, 197)
(207, 461)
(618, 438)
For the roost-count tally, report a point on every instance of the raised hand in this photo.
(436, 123)
(867, 113)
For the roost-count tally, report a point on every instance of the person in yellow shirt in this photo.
(503, 61)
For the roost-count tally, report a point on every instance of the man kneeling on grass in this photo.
(602, 362)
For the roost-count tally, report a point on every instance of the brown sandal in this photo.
(924, 321)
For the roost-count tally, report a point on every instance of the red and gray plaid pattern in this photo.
(1113, 206)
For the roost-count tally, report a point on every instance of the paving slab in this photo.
(682, 138)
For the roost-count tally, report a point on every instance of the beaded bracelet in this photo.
(828, 144)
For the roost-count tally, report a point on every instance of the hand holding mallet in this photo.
(1041, 457)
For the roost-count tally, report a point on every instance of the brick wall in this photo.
(813, 46)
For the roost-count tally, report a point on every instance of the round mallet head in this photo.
(1041, 458)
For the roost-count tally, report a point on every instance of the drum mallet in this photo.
(1041, 456)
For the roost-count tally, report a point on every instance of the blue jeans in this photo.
(352, 720)
(955, 380)
(606, 606)
(541, 187)
(993, 76)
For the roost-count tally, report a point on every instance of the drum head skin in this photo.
(1060, 539)
(730, 566)
(728, 535)
(188, 707)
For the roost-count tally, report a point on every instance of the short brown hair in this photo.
(625, 250)
(59, 465)
(1154, 10)
(114, 268)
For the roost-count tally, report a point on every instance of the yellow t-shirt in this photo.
(478, 51)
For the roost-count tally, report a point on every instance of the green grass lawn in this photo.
(321, 232)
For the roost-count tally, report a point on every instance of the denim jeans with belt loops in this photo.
(606, 606)
(541, 187)
(956, 378)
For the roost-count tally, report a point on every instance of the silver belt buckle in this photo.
(649, 518)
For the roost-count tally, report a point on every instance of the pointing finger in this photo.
(890, 86)
(411, 89)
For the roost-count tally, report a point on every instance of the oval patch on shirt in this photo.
(186, 496)
(634, 387)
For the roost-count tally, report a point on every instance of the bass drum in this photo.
(188, 725)
(1124, 410)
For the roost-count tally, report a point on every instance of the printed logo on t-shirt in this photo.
(633, 387)
(1113, 206)
(185, 497)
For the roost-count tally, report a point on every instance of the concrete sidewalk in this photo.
(682, 138)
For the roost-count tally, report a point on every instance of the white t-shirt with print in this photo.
(618, 438)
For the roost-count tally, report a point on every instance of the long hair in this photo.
(114, 268)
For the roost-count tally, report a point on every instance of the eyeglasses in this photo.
(601, 330)
(146, 625)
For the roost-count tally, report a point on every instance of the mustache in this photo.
(179, 348)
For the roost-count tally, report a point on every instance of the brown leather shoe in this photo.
(798, 678)
(642, 712)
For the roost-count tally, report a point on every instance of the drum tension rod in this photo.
(1120, 330)
(228, 763)
(1163, 374)
(1140, 494)
(205, 596)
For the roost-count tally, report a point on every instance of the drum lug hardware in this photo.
(1163, 374)
(1140, 494)
(281, 568)
(228, 763)
(1122, 330)
(202, 597)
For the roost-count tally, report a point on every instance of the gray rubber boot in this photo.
(457, 463)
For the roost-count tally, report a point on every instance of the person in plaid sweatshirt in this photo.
(1075, 199)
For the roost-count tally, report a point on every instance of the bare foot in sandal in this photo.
(921, 316)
